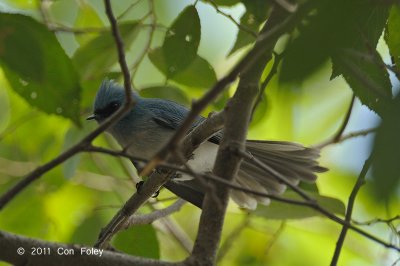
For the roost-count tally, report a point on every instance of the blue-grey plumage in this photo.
(151, 123)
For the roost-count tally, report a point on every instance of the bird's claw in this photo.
(139, 186)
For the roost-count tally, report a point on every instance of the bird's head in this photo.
(109, 98)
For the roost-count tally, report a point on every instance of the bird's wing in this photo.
(171, 115)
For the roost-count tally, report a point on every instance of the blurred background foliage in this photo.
(54, 55)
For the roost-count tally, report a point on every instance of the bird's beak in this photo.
(91, 117)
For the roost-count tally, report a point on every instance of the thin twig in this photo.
(289, 7)
(275, 237)
(271, 74)
(349, 211)
(240, 27)
(231, 239)
(155, 215)
(121, 51)
(377, 220)
(346, 137)
(346, 119)
(128, 9)
(147, 46)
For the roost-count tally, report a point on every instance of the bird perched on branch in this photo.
(152, 122)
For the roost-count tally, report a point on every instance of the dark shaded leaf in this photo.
(165, 92)
(199, 73)
(98, 55)
(181, 41)
(139, 240)
(323, 35)
(386, 166)
(392, 35)
(37, 67)
(366, 74)
(282, 211)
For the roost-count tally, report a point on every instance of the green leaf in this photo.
(392, 35)
(282, 211)
(100, 54)
(37, 67)
(322, 35)
(139, 240)
(87, 18)
(386, 166)
(256, 13)
(181, 41)
(165, 92)
(366, 74)
(199, 73)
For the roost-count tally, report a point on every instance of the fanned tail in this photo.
(291, 160)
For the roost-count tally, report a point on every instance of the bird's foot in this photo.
(139, 186)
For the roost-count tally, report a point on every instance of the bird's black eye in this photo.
(108, 110)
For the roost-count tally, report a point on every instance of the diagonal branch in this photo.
(10, 244)
(238, 114)
(155, 215)
(349, 211)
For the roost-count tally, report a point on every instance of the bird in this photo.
(151, 122)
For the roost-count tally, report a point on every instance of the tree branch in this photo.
(346, 137)
(240, 27)
(11, 244)
(207, 128)
(155, 215)
(346, 119)
(349, 211)
(238, 114)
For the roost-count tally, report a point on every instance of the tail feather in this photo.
(291, 160)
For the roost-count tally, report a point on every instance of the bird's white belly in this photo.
(202, 161)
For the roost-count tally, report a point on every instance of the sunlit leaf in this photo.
(283, 211)
(181, 41)
(139, 240)
(199, 73)
(37, 67)
(87, 17)
(165, 92)
(97, 56)
(386, 166)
